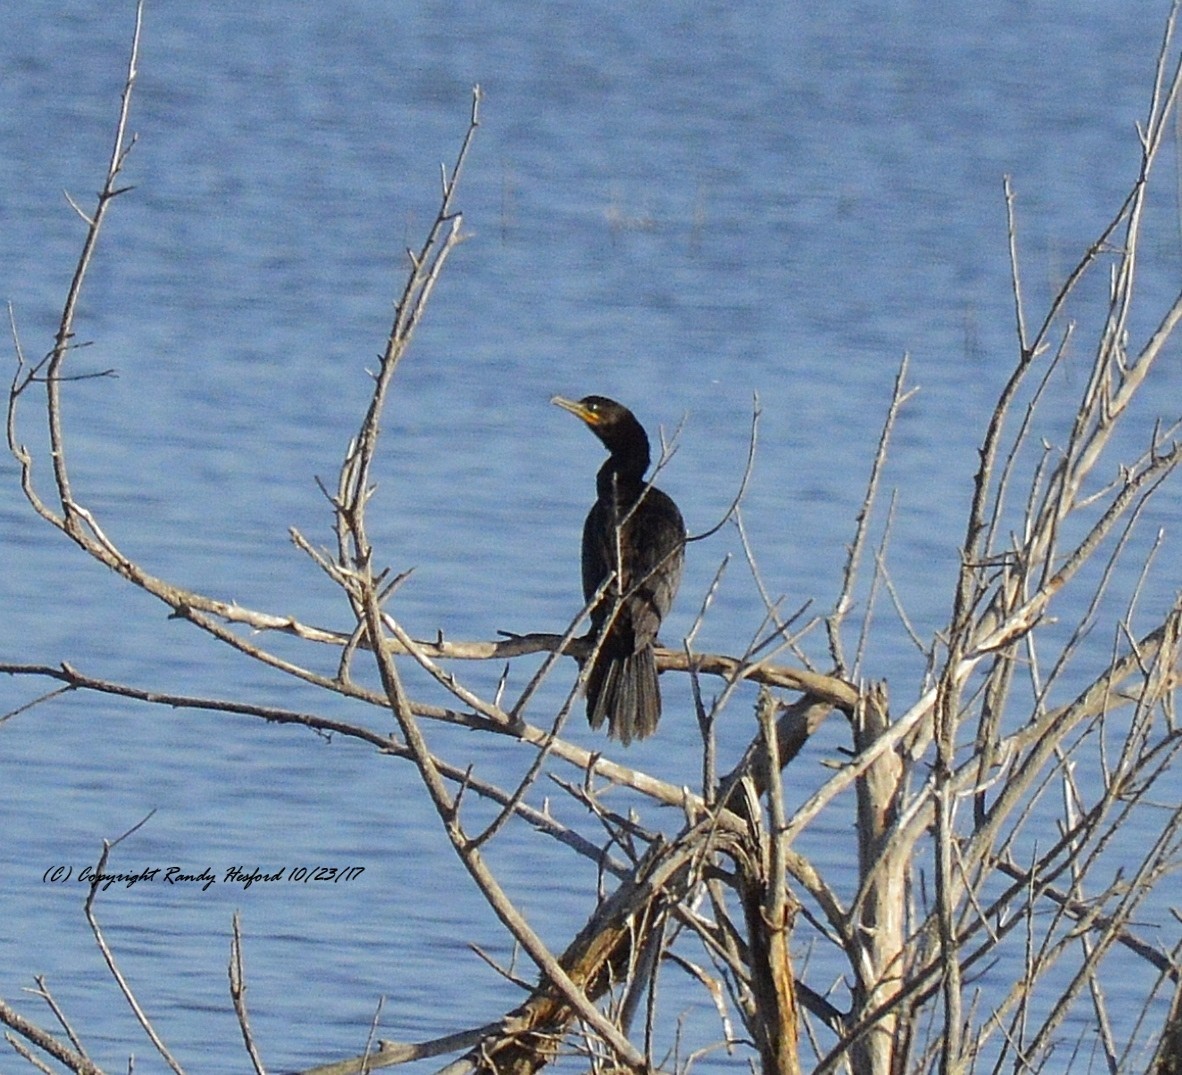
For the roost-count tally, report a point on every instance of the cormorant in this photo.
(636, 532)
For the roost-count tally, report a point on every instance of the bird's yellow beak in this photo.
(577, 409)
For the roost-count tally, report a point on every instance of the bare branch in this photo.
(854, 558)
(109, 956)
(237, 975)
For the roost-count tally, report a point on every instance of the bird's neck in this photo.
(621, 478)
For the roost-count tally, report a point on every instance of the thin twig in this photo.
(237, 973)
(109, 956)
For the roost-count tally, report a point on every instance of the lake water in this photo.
(678, 207)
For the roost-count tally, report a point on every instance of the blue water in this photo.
(680, 208)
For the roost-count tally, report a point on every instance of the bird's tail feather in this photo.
(623, 688)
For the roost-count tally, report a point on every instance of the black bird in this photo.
(635, 532)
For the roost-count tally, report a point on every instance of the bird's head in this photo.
(612, 423)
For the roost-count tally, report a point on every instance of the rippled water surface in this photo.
(681, 207)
